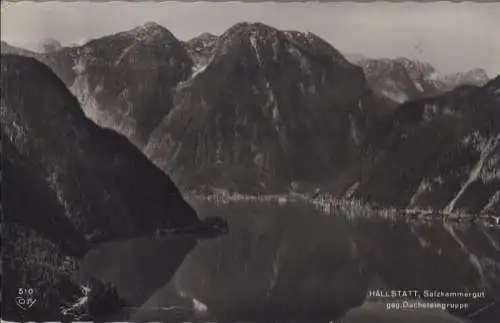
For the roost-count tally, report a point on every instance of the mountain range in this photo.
(261, 110)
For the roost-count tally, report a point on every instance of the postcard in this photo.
(261, 162)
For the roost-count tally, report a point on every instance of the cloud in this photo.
(48, 45)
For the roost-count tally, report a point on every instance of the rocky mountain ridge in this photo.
(123, 81)
(402, 79)
(441, 152)
(265, 98)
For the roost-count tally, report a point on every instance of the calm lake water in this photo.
(294, 263)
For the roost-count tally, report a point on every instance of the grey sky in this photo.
(453, 36)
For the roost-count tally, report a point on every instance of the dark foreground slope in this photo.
(106, 186)
(26, 200)
(441, 152)
(67, 182)
(40, 253)
(34, 267)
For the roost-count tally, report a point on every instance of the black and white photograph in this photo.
(250, 162)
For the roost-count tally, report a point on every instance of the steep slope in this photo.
(27, 202)
(105, 186)
(268, 108)
(424, 75)
(442, 152)
(41, 250)
(124, 81)
(389, 78)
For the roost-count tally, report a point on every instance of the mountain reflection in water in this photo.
(294, 263)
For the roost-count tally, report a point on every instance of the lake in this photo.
(293, 262)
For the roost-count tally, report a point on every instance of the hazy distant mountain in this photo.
(441, 152)
(355, 57)
(425, 76)
(390, 79)
(473, 77)
(403, 79)
(49, 45)
(92, 176)
(269, 107)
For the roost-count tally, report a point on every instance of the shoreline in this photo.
(349, 207)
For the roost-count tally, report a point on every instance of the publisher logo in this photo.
(25, 298)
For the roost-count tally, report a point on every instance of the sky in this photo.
(452, 36)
